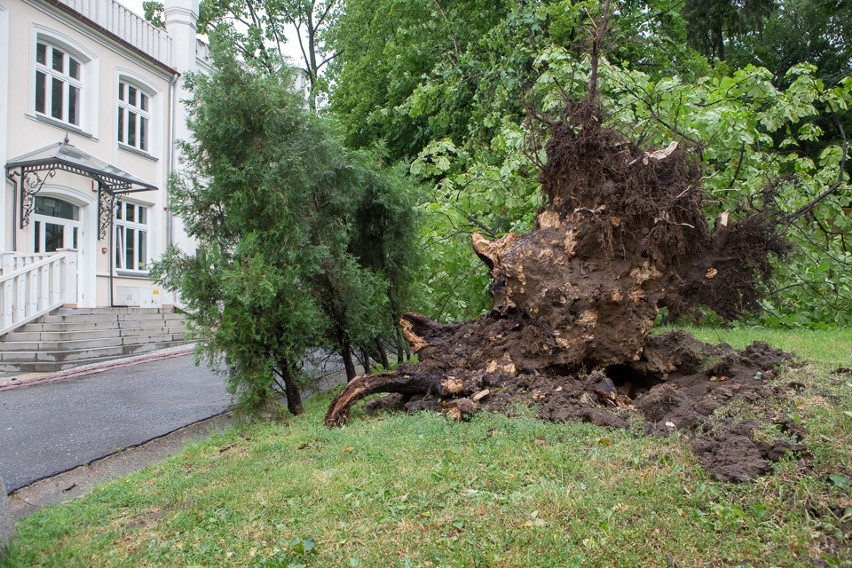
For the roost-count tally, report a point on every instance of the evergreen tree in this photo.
(271, 196)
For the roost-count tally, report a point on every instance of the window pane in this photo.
(41, 87)
(131, 209)
(56, 208)
(56, 100)
(74, 239)
(41, 53)
(131, 128)
(119, 210)
(53, 237)
(142, 263)
(37, 243)
(58, 60)
(121, 124)
(131, 95)
(129, 247)
(119, 246)
(121, 91)
(73, 104)
(45, 205)
(73, 68)
(143, 133)
(143, 99)
(143, 213)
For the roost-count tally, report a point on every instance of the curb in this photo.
(79, 480)
(7, 521)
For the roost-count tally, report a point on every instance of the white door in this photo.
(56, 225)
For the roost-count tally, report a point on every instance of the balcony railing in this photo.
(126, 25)
(32, 285)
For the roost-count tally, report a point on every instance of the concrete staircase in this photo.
(68, 338)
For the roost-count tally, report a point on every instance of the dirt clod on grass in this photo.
(731, 453)
(624, 234)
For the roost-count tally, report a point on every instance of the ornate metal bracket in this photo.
(106, 210)
(31, 184)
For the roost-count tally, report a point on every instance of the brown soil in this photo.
(623, 234)
(706, 378)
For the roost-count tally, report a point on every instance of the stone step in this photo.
(93, 353)
(106, 318)
(53, 366)
(79, 344)
(104, 333)
(68, 338)
(95, 311)
(74, 325)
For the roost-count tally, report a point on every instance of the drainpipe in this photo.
(111, 250)
(171, 169)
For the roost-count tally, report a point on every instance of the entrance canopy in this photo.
(35, 168)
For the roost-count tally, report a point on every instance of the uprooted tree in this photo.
(623, 235)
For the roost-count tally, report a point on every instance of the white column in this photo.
(5, 54)
(181, 19)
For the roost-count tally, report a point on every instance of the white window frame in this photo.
(64, 83)
(71, 228)
(140, 233)
(87, 82)
(140, 115)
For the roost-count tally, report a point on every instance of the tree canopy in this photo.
(464, 95)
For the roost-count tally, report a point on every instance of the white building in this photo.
(89, 114)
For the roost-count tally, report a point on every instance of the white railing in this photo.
(32, 285)
(126, 25)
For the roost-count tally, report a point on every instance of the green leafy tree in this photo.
(714, 24)
(468, 123)
(260, 28)
(153, 13)
(801, 31)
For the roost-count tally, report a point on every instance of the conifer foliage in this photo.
(301, 243)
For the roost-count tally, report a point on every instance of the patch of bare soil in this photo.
(705, 378)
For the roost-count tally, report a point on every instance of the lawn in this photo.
(419, 490)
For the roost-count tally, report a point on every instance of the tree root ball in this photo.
(574, 299)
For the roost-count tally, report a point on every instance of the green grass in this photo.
(396, 490)
(829, 347)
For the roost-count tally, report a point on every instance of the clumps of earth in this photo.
(704, 378)
(623, 234)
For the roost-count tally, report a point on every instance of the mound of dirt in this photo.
(703, 378)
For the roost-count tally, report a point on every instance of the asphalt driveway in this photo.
(55, 426)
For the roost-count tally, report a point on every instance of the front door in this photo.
(56, 225)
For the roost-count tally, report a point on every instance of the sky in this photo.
(291, 48)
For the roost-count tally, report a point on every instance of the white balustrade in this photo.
(32, 285)
(126, 25)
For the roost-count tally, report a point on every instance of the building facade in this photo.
(90, 110)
